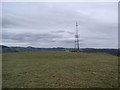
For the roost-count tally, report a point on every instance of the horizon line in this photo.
(62, 47)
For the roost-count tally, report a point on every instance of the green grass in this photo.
(59, 70)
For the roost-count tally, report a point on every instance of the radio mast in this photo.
(77, 49)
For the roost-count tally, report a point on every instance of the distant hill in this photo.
(6, 49)
(109, 51)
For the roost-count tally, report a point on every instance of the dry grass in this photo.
(59, 70)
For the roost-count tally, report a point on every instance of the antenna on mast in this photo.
(77, 49)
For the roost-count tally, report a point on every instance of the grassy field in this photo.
(59, 70)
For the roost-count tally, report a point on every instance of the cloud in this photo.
(30, 37)
(36, 39)
(63, 32)
(53, 24)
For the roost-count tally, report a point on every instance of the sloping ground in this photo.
(59, 70)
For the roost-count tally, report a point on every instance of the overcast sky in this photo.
(53, 24)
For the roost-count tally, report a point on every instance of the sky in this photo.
(52, 24)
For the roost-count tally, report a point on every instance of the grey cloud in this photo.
(30, 37)
(53, 22)
(59, 31)
(69, 41)
(70, 32)
(63, 31)
(7, 22)
(37, 39)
